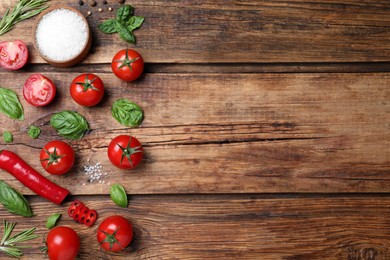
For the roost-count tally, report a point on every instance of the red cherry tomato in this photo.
(63, 243)
(57, 157)
(87, 90)
(115, 233)
(127, 65)
(39, 90)
(125, 152)
(13, 55)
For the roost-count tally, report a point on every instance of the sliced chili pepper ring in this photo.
(73, 207)
(78, 211)
(90, 218)
(83, 214)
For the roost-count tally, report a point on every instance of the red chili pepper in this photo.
(14, 165)
(81, 213)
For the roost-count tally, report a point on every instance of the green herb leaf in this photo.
(118, 195)
(70, 125)
(8, 137)
(124, 24)
(134, 22)
(10, 104)
(52, 220)
(124, 33)
(34, 132)
(108, 26)
(13, 201)
(127, 113)
(124, 13)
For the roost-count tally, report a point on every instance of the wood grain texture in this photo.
(242, 31)
(220, 133)
(233, 227)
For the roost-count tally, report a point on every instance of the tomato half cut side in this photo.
(72, 207)
(90, 218)
(13, 54)
(39, 90)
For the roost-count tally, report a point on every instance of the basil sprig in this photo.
(118, 195)
(10, 104)
(124, 24)
(127, 113)
(70, 125)
(13, 201)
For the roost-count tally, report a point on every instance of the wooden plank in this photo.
(221, 133)
(239, 227)
(242, 31)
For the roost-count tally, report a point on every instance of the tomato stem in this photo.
(53, 157)
(128, 151)
(87, 84)
(126, 62)
(110, 239)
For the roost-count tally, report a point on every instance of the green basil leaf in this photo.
(134, 22)
(8, 137)
(10, 104)
(118, 195)
(124, 33)
(108, 26)
(52, 220)
(70, 125)
(124, 13)
(13, 201)
(127, 113)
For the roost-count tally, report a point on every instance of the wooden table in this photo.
(266, 131)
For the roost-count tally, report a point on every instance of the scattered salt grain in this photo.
(94, 173)
(61, 34)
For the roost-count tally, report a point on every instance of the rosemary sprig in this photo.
(8, 244)
(23, 10)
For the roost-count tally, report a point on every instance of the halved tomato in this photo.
(13, 55)
(39, 90)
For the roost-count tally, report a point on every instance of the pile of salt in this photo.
(61, 35)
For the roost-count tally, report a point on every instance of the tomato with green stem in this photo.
(115, 233)
(87, 90)
(125, 152)
(127, 65)
(62, 243)
(57, 157)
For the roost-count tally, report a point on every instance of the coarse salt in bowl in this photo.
(62, 36)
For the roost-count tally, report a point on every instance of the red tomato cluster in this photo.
(81, 213)
(57, 157)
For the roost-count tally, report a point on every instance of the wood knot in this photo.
(364, 254)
